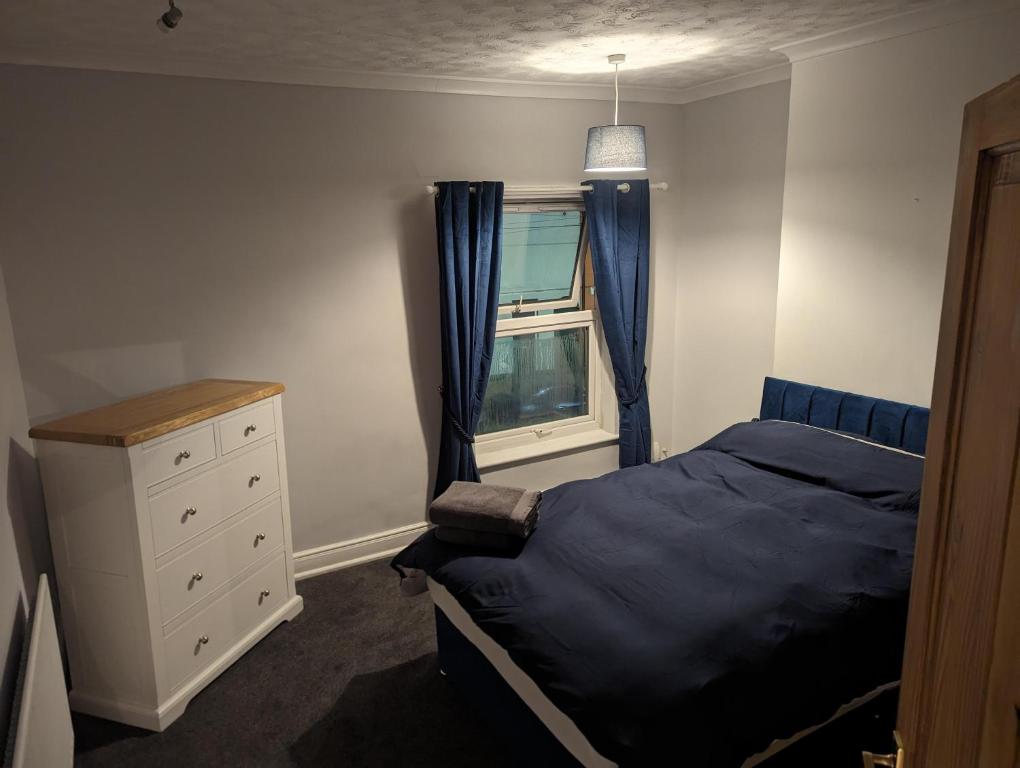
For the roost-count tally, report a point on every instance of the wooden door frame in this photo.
(990, 121)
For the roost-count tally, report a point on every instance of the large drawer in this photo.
(212, 563)
(171, 457)
(244, 428)
(196, 505)
(203, 639)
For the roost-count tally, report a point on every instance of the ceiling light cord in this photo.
(616, 98)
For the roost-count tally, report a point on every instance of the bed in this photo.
(705, 610)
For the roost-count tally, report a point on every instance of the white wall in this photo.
(159, 229)
(870, 175)
(24, 544)
(733, 150)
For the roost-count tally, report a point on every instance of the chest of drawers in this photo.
(170, 525)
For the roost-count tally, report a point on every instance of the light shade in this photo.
(616, 148)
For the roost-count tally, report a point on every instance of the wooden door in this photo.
(961, 677)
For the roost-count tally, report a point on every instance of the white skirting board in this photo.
(42, 734)
(344, 554)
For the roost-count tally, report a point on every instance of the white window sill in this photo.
(542, 448)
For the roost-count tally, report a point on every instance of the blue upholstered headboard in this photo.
(895, 424)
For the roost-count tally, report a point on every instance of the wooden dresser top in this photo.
(156, 413)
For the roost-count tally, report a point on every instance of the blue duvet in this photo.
(709, 603)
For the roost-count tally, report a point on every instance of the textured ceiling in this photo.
(670, 44)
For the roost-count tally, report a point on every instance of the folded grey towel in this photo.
(487, 508)
(483, 539)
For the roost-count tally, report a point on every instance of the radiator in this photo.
(42, 736)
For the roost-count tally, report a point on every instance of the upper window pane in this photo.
(540, 251)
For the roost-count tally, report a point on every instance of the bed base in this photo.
(523, 735)
(527, 740)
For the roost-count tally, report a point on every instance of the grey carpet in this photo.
(353, 681)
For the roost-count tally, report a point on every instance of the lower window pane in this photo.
(536, 378)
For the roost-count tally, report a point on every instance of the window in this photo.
(542, 251)
(536, 378)
(546, 375)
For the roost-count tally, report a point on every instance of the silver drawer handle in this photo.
(203, 639)
(197, 576)
(191, 511)
(250, 428)
(260, 536)
(255, 478)
(264, 593)
(184, 455)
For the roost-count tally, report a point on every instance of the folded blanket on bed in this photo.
(492, 509)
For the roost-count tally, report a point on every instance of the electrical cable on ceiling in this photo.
(171, 18)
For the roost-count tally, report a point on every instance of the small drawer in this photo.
(216, 629)
(212, 563)
(165, 459)
(247, 427)
(196, 505)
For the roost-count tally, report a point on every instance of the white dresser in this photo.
(170, 525)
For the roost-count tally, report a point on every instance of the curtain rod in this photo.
(661, 186)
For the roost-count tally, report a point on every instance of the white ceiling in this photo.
(670, 44)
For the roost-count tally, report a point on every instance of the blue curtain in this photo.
(618, 234)
(469, 226)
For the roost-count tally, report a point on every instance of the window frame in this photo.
(574, 299)
(598, 426)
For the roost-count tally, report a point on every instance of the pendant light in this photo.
(616, 148)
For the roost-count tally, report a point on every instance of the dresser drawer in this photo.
(171, 457)
(194, 506)
(203, 639)
(212, 563)
(247, 427)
